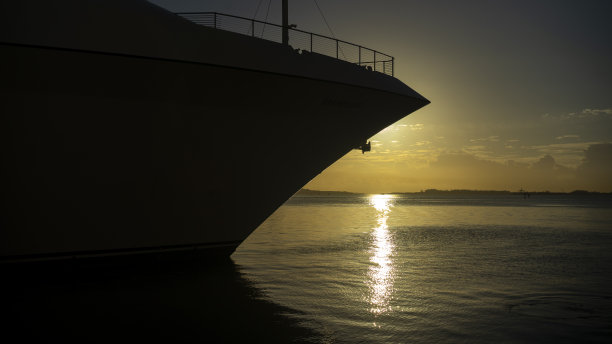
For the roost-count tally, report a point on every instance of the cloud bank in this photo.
(463, 170)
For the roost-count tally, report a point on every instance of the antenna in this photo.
(285, 22)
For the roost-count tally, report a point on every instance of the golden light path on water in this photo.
(381, 272)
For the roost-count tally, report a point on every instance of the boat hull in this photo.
(107, 153)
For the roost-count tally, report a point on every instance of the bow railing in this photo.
(298, 39)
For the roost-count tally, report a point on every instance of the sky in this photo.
(520, 91)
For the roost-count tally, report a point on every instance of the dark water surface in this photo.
(190, 302)
(354, 269)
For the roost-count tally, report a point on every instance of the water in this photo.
(358, 269)
(407, 268)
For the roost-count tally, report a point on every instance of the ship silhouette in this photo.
(130, 129)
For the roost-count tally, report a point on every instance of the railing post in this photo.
(374, 60)
(385, 67)
(252, 28)
(360, 55)
(311, 42)
(215, 21)
(392, 66)
(336, 49)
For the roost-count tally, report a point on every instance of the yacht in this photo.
(128, 129)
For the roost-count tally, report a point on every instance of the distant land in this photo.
(308, 192)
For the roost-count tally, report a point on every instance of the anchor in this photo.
(364, 147)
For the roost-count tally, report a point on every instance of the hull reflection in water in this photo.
(382, 271)
(188, 302)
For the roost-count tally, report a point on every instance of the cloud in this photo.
(479, 151)
(595, 171)
(517, 164)
(584, 114)
(484, 139)
(596, 112)
(462, 160)
(567, 137)
(464, 170)
(421, 143)
(597, 155)
(428, 167)
(559, 148)
(474, 148)
(548, 164)
(545, 163)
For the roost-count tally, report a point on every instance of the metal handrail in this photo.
(298, 39)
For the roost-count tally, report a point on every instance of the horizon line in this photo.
(431, 191)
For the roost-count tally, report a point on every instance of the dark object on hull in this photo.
(365, 147)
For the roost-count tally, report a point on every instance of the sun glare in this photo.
(381, 271)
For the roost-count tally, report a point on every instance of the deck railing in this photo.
(298, 39)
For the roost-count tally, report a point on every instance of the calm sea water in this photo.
(399, 269)
(362, 269)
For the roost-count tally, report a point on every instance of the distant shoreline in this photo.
(308, 192)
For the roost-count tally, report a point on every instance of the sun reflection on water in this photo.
(381, 272)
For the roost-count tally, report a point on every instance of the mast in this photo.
(285, 23)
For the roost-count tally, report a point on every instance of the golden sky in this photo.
(521, 91)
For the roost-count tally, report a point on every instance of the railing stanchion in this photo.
(252, 28)
(374, 60)
(311, 42)
(360, 55)
(392, 66)
(385, 66)
(215, 20)
(336, 49)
